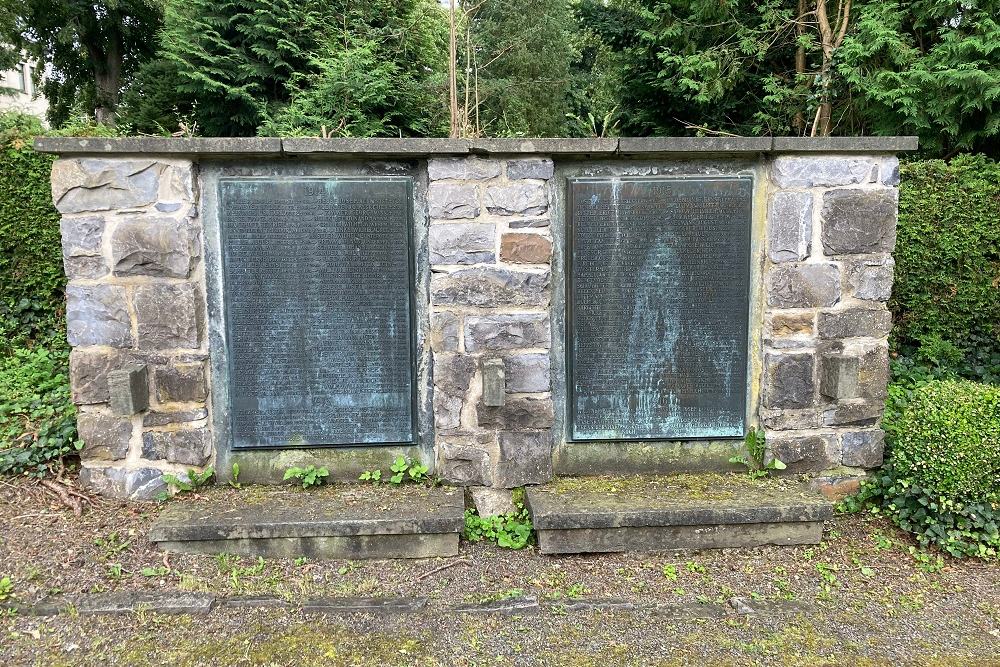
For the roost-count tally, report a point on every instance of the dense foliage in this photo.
(941, 480)
(946, 292)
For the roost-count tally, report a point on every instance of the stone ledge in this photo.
(424, 147)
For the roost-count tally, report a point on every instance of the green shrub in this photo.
(948, 256)
(941, 480)
(37, 416)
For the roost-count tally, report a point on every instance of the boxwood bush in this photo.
(941, 480)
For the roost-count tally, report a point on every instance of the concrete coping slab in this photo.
(284, 512)
(679, 500)
(430, 147)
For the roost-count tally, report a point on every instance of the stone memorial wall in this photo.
(534, 295)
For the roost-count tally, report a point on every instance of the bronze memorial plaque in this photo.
(658, 307)
(318, 310)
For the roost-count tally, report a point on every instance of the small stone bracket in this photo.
(839, 376)
(129, 390)
(494, 382)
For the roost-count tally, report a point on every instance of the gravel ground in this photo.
(861, 598)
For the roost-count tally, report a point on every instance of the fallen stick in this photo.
(64, 497)
(460, 561)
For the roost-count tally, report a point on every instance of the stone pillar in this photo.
(831, 226)
(132, 253)
(490, 256)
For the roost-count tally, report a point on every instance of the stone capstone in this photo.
(98, 315)
(105, 436)
(168, 316)
(870, 278)
(517, 198)
(539, 168)
(789, 226)
(808, 453)
(445, 332)
(788, 380)
(462, 243)
(854, 322)
(463, 169)
(859, 221)
(490, 287)
(506, 332)
(803, 285)
(98, 184)
(151, 246)
(180, 383)
(525, 248)
(528, 373)
(82, 247)
(863, 449)
(518, 414)
(525, 458)
(452, 201)
(807, 172)
(123, 483)
(187, 446)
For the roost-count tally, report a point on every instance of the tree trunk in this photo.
(831, 37)
(107, 79)
(799, 122)
(452, 72)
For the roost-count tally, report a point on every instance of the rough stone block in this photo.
(452, 201)
(863, 449)
(784, 419)
(835, 489)
(462, 243)
(100, 184)
(506, 332)
(88, 374)
(808, 453)
(522, 223)
(518, 198)
(129, 390)
(789, 226)
(445, 332)
(489, 288)
(791, 324)
(870, 278)
(168, 316)
(98, 315)
(463, 169)
(859, 221)
(126, 484)
(154, 418)
(494, 382)
(889, 171)
(525, 248)
(788, 380)
(187, 446)
(463, 464)
(453, 375)
(525, 458)
(803, 285)
(492, 502)
(151, 246)
(105, 436)
(82, 247)
(528, 373)
(873, 373)
(518, 414)
(854, 413)
(854, 322)
(541, 168)
(806, 172)
(180, 383)
(838, 376)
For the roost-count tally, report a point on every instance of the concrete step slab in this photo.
(657, 513)
(332, 522)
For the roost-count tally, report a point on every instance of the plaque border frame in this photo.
(567, 352)
(411, 271)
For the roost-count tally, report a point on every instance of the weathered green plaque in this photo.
(658, 307)
(318, 310)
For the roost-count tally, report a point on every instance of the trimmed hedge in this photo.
(947, 284)
(32, 285)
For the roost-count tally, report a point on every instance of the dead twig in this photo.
(64, 496)
(460, 561)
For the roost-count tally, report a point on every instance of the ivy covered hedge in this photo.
(946, 296)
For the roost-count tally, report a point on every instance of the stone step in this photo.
(330, 522)
(658, 513)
